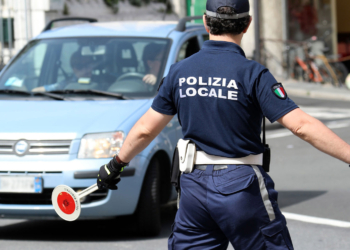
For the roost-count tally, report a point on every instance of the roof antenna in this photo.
(166, 6)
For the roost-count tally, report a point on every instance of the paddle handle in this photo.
(88, 191)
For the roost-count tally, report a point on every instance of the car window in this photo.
(129, 66)
(64, 66)
(188, 48)
(28, 69)
(205, 37)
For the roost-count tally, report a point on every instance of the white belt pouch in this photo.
(187, 155)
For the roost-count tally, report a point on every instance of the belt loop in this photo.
(209, 169)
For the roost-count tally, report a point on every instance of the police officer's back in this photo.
(220, 98)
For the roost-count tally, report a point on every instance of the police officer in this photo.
(221, 98)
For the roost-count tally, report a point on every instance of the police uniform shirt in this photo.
(220, 98)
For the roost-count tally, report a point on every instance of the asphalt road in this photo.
(312, 183)
(309, 183)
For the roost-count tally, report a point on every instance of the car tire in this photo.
(148, 209)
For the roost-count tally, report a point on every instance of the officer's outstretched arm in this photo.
(142, 133)
(316, 133)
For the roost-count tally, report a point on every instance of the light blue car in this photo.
(67, 101)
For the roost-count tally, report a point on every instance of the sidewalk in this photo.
(316, 90)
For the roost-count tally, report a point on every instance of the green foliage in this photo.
(167, 3)
(114, 4)
(137, 3)
(65, 9)
(111, 3)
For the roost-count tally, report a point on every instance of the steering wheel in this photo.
(130, 74)
(122, 84)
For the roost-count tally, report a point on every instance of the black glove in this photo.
(109, 174)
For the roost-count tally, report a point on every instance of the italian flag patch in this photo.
(279, 91)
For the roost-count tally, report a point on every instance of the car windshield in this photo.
(128, 66)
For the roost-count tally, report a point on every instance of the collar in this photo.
(221, 45)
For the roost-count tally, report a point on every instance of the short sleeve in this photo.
(272, 97)
(164, 101)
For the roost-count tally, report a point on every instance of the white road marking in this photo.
(278, 135)
(326, 113)
(316, 220)
(338, 125)
(319, 113)
(284, 132)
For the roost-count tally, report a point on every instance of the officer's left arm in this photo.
(142, 133)
(316, 133)
(276, 105)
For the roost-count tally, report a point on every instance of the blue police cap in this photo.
(241, 7)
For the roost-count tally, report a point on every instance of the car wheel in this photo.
(148, 209)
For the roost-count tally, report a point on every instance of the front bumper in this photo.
(76, 173)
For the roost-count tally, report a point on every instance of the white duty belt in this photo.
(203, 158)
(189, 156)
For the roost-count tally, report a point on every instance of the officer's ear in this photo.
(246, 29)
(205, 24)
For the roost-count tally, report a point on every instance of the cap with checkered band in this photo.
(241, 8)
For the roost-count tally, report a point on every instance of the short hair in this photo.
(151, 51)
(219, 26)
(79, 61)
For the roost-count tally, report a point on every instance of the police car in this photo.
(67, 101)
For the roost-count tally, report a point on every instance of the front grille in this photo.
(44, 198)
(36, 147)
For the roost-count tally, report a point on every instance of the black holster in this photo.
(267, 151)
(175, 171)
(175, 175)
(266, 158)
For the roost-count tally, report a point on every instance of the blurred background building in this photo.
(287, 28)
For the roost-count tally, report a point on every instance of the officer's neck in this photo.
(237, 39)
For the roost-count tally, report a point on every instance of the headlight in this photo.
(101, 145)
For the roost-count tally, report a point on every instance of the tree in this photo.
(113, 4)
(65, 9)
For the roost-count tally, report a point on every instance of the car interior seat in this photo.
(126, 59)
(192, 47)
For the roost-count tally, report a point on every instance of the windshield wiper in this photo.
(90, 91)
(53, 96)
(13, 91)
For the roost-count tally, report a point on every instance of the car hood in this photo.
(77, 117)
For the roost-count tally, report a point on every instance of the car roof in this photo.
(160, 29)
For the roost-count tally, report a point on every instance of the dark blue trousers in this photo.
(237, 204)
